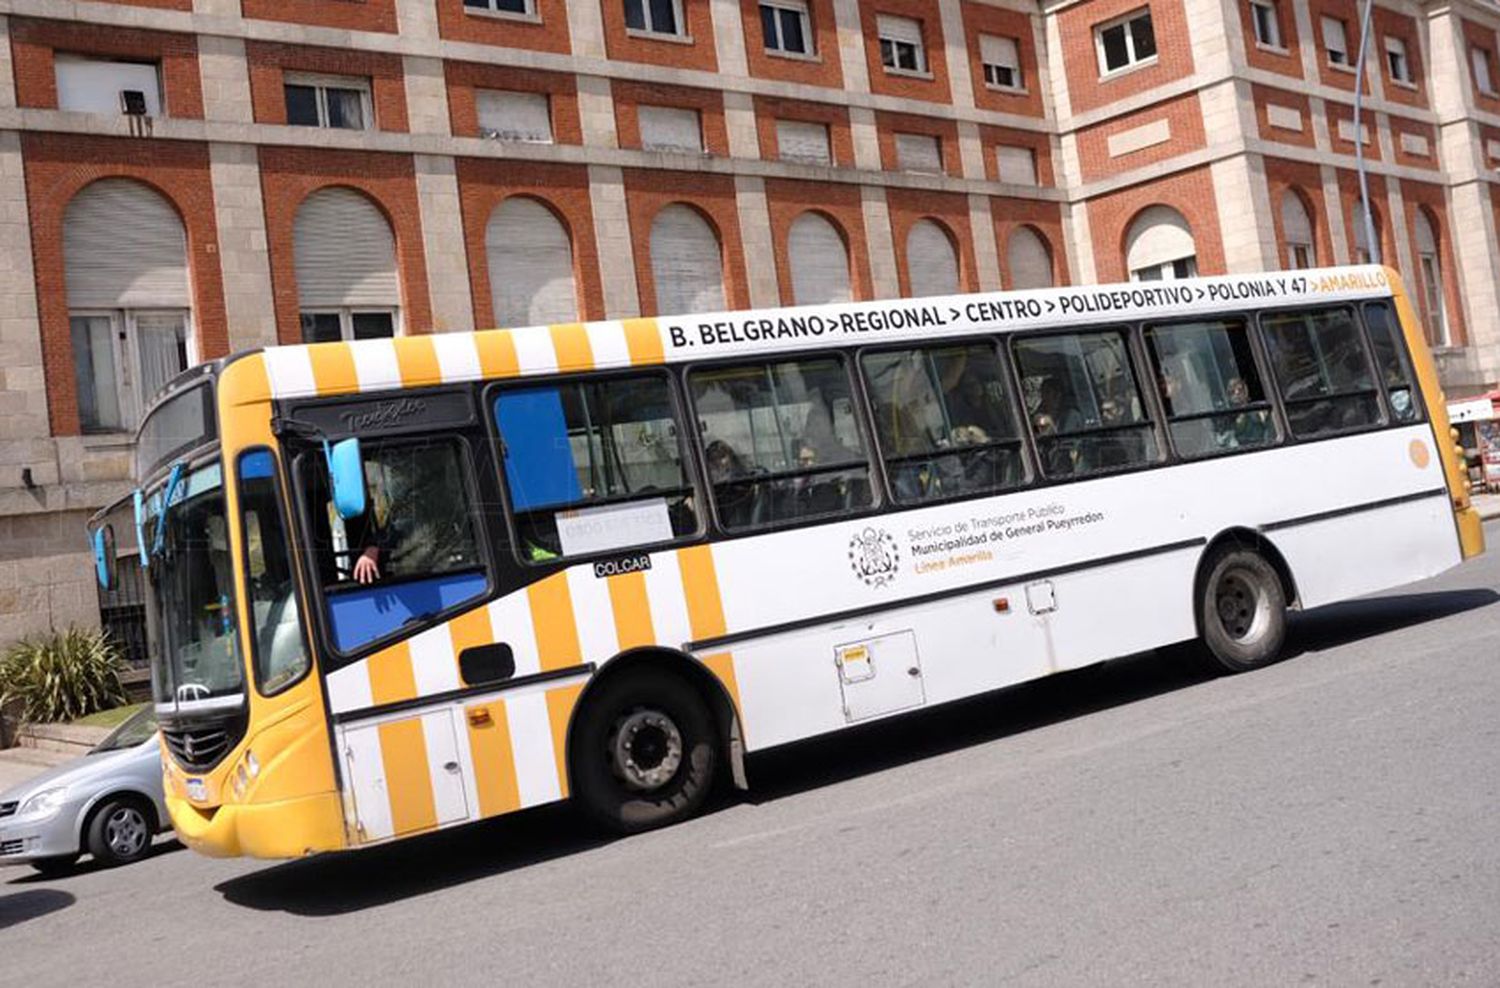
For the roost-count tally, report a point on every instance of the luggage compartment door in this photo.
(879, 675)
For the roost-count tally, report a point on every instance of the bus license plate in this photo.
(196, 790)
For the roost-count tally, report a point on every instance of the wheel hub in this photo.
(1243, 609)
(125, 831)
(645, 749)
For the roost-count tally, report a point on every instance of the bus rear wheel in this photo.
(645, 753)
(1242, 610)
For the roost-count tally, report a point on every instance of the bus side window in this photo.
(1391, 361)
(1210, 387)
(1318, 358)
(1084, 404)
(593, 466)
(418, 539)
(781, 441)
(280, 655)
(943, 420)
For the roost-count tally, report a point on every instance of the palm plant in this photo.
(62, 676)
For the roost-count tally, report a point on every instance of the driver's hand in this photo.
(367, 566)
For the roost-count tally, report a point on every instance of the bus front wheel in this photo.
(645, 752)
(1242, 610)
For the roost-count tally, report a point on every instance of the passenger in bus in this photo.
(1248, 427)
(813, 493)
(1054, 404)
(737, 502)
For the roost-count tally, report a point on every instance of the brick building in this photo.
(183, 178)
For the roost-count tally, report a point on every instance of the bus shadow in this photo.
(345, 883)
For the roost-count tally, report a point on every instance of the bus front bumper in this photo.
(292, 828)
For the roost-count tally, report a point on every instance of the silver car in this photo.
(108, 803)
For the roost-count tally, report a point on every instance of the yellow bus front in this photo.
(248, 761)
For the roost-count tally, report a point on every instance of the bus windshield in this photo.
(197, 654)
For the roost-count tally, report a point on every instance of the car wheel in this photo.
(120, 831)
(645, 753)
(56, 867)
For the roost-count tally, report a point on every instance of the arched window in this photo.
(1362, 252)
(819, 261)
(1430, 268)
(125, 264)
(1297, 232)
(1160, 246)
(531, 265)
(347, 287)
(1029, 259)
(687, 265)
(931, 261)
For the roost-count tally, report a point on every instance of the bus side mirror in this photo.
(106, 564)
(346, 472)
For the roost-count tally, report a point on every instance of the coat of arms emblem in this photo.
(874, 557)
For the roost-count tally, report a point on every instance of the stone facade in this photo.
(1222, 123)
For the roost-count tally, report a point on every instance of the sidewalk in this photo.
(1488, 505)
(48, 745)
(19, 764)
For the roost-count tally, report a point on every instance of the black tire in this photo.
(1241, 610)
(58, 867)
(644, 753)
(120, 831)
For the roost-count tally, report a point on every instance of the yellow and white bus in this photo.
(397, 585)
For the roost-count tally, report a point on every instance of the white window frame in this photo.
(346, 314)
(515, 136)
(127, 355)
(1299, 256)
(320, 84)
(491, 8)
(798, 7)
(1019, 83)
(651, 30)
(1396, 55)
(883, 37)
(1431, 267)
(1168, 270)
(1345, 63)
(1133, 62)
(1265, 19)
(1479, 65)
(65, 58)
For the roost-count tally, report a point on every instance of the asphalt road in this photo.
(1332, 819)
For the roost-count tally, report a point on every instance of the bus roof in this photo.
(362, 366)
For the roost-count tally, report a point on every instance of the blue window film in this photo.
(257, 465)
(367, 613)
(538, 456)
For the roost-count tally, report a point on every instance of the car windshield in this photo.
(196, 654)
(138, 728)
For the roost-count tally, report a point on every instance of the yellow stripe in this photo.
(632, 607)
(643, 340)
(494, 760)
(470, 629)
(417, 358)
(560, 703)
(721, 664)
(571, 343)
(700, 585)
(391, 677)
(403, 750)
(497, 354)
(333, 368)
(552, 619)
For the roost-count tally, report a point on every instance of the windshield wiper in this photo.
(158, 544)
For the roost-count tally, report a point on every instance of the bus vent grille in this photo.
(197, 749)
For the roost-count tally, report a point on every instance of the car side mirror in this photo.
(106, 563)
(346, 474)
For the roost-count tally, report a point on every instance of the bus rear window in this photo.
(1320, 362)
(593, 466)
